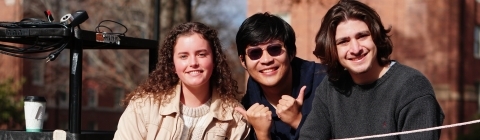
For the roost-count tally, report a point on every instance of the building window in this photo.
(92, 58)
(63, 58)
(38, 73)
(92, 125)
(285, 16)
(477, 90)
(476, 46)
(119, 95)
(63, 125)
(92, 97)
(119, 56)
(62, 96)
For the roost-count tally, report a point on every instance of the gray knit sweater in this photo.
(402, 99)
(194, 121)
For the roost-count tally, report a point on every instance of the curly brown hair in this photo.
(162, 81)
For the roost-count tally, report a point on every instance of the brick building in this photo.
(101, 107)
(107, 74)
(10, 67)
(438, 37)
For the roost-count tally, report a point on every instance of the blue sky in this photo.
(231, 13)
(239, 6)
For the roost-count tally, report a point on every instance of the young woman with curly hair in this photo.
(190, 95)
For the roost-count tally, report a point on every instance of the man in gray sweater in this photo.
(366, 93)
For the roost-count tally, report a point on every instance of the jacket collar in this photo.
(216, 109)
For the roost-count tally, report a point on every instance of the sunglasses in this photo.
(256, 53)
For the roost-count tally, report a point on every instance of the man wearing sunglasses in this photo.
(279, 89)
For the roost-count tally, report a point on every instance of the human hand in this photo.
(288, 109)
(260, 117)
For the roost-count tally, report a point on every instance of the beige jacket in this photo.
(145, 119)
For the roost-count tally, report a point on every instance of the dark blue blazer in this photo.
(304, 72)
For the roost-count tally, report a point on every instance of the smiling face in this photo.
(268, 63)
(356, 50)
(193, 60)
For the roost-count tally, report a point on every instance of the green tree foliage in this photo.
(11, 105)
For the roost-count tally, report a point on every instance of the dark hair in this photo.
(163, 80)
(260, 28)
(326, 49)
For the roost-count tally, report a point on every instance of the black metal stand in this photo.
(75, 101)
(81, 40)
(87, 40)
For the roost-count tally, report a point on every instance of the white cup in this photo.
(34, 113)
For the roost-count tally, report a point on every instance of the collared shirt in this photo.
(304, 73)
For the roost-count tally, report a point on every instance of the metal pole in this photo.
(188, 4)
(153, 52)
(75, 106)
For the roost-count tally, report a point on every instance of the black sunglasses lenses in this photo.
(256, 53)
(274, 50)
